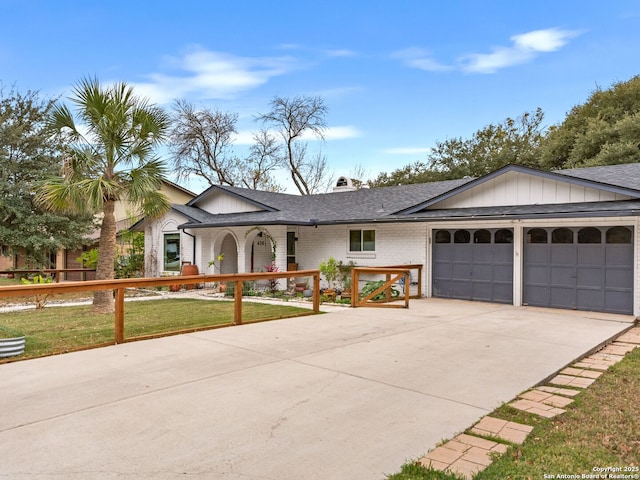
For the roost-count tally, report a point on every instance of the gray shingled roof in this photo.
(355, 206)
(625, 175)
(383, 204)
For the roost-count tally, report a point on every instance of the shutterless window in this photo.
(362, 240)
(172, 252)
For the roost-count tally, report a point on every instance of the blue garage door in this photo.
(473, 264)
(588, 268)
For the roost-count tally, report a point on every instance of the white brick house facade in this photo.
(454, 229)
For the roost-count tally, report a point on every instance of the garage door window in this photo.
(504, 236)
(461, 236)
(562, 235)
(618, 235)
(537, 235)
(482, 236)
(443, 236)
(589, 235)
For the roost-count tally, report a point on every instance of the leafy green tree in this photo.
(418, 172)
(605, 130)
(514, 141)
(110, 158)
(27, 155)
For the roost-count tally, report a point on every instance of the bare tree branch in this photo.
(201, 143)
(292, 118)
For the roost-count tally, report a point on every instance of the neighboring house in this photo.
(520, 236)
(125, 215)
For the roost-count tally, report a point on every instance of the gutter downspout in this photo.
(194, 246)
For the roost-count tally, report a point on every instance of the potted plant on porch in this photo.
(329, 270)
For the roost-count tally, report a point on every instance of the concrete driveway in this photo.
(351, 394)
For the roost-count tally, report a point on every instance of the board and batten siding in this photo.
(517, 188)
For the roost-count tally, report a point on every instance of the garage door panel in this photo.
(471, 270)
(563, 254)
(591, 255)
(461, 271)
(442, 269)
(589, 277)
(581, 276)
(503, 273)
(503, 292)
(503, 253)
(618, 301)
(482, 271)
(442, 288)
(562, 297)
(461, 288)
(537, 275)
(561, 275)
(538, 295)
(538, 254)
(619, 278)
(482, 291)
(463, 253)
(621, 255)
(590, 298)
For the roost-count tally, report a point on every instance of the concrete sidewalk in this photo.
(350, 394)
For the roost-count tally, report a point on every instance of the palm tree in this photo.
(110, 158)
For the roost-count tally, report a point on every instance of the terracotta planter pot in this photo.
(190, 270)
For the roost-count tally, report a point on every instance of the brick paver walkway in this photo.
(467, 454)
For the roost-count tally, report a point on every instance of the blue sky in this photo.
(396, 75)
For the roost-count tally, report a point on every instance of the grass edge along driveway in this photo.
(55, 330)
(601, 429)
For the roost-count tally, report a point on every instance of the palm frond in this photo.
(154, 204)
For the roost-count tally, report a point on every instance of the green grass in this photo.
(600, 429)
(55, 330)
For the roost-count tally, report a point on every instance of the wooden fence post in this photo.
(119, 317)
(237, 302)
(355, 294)
(316, 292)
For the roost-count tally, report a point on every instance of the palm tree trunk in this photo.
(103, 299)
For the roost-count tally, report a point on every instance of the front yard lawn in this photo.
(55, 330)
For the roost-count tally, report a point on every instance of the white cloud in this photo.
(341, 133)
(206, 74)
(421, 59)
(340, 53)
(406, 151)
(244, 137)
(526, 46)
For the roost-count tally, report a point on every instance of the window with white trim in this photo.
(171, 252)
(362, 240)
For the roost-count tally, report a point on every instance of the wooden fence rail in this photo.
(120, 285)
(55, 272)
